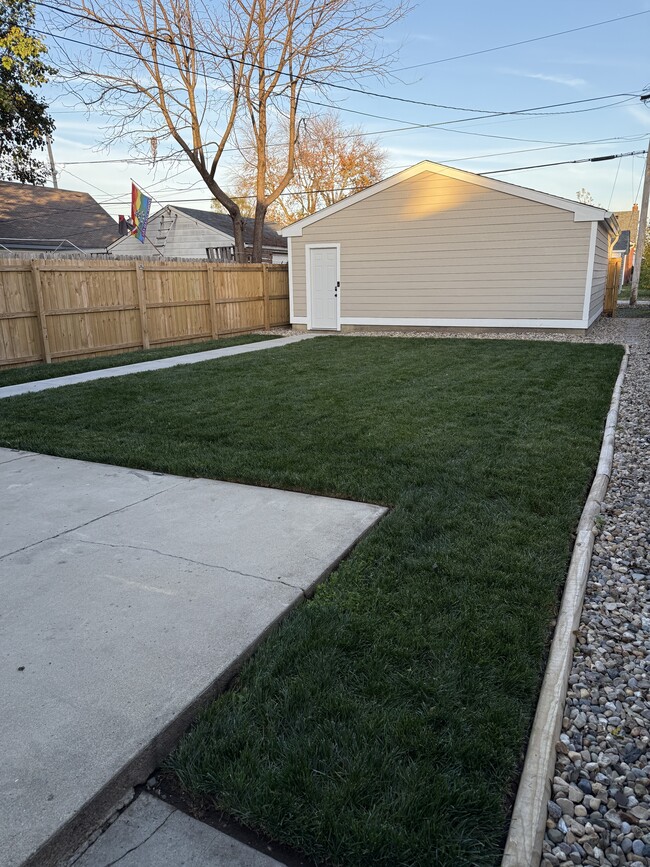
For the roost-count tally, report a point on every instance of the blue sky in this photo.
(604, 60)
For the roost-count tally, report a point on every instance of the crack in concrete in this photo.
(92, 521)
(142, 842)
(19, 458)
(190, 560)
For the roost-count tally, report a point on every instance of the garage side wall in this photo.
(599, 279)
(443, 251)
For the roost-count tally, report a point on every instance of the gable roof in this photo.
(581, 212)
(223, 223)
(42, 218)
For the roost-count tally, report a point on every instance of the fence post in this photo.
(212, 296)
(267, 301)
(40, 309)
(142, 304)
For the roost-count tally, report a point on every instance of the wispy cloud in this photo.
(640, 113)
(408, 38)
(566, 80)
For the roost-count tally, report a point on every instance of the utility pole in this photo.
(643, 225)
(55, 183)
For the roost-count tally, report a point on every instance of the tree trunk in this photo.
(258, 231)
(238, 235)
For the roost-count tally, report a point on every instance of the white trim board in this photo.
(582, 213)
(458, 323)
(590, 270)
(322, 245)
(465, 323)
(290, 265)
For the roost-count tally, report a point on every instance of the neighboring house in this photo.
(42, 219)
(628, 221)
(436, 246)
(185, 233)
(621, 250)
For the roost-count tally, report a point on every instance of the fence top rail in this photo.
(16, 263)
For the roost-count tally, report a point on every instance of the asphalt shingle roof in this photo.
(223, 223)
(623, 242)
(41, 217)
(629, 221)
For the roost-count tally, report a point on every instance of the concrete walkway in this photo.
(143, 366)
(129, 598)
(151, 833)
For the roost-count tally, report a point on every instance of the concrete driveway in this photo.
(128, 598)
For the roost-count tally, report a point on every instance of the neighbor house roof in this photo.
(622, 244)
(629, 221)
(42, 218)
(223, 223)
(582, 213)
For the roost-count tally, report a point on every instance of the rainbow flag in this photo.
(140, 207)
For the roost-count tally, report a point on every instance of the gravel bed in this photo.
(600, 812)
(604, 331)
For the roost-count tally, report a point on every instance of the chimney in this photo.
(635, 208)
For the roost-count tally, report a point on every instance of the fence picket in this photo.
(40, 312)
(84, 308)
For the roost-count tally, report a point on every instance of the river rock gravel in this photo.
(600, 812)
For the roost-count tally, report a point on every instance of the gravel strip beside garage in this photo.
(600, 814)
(605, 331)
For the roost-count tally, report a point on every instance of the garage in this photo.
(437, 247)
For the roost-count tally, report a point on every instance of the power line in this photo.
(611, 195)
(334, 189)
(442, 125)
(520, 42)
(112, 198)
(566, 163)
(445, 126)
(145, 161)
(482, 174)
(638, 189)
(308, 79)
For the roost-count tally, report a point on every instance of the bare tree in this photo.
(331, 162)
(585, 197)
(192, 76)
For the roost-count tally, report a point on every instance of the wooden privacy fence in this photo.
(55, 308)
(612, 286)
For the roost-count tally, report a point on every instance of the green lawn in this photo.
(640, 312)
(383, 723)
(624, 294)
(33, 372)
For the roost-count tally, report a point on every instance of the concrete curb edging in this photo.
(528, 823)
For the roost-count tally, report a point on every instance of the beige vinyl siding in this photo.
(599, 278)
(435, 247)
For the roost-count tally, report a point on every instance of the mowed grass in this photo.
(383, 723)
(34, 372)
(640, 312)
